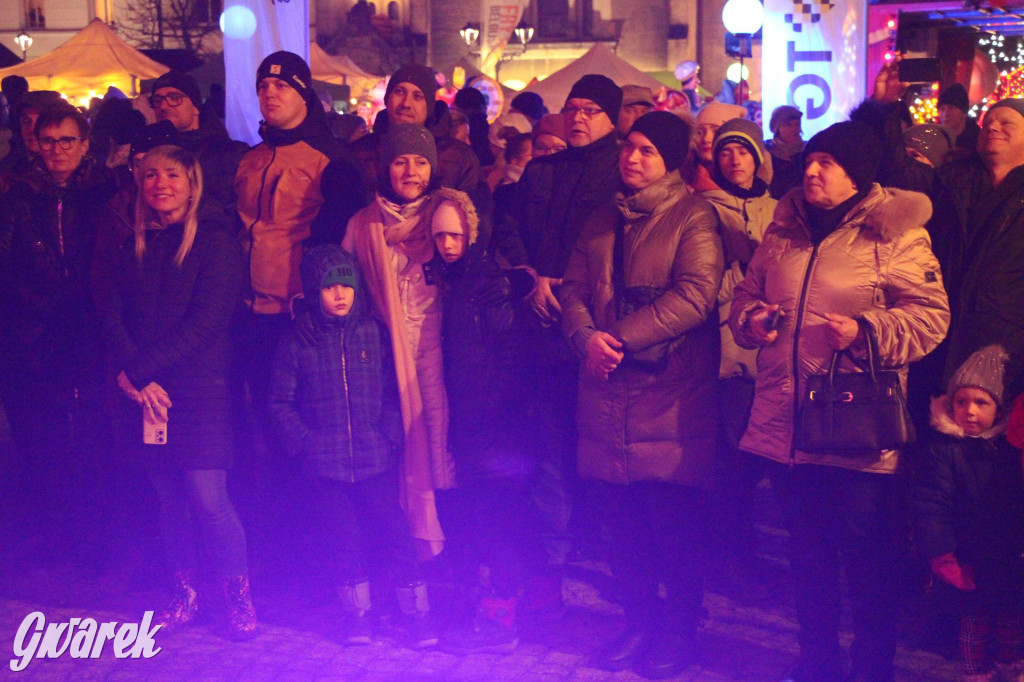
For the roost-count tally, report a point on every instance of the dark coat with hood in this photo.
(335, 402)
(169, 324)
(642, 424)
(968, 499)
(48, 323)
(978, 230)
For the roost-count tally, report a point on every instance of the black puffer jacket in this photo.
(978, 232)
(170, 325)
(48, 324)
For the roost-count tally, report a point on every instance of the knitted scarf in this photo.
(369, 237)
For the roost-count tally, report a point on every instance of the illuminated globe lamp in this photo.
(743, 18)
(238, 22)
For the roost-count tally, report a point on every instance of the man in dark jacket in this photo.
(176, 98)
(953, 106)
(978, 233)
(551, 202)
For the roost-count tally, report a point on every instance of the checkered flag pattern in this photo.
(808, 12)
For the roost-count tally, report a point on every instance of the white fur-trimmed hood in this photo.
(941, 419)
(885, 211)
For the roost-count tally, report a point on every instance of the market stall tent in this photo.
(340, 70)
(599, 59)
(90, 61)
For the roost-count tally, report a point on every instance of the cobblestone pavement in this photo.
(749, 635)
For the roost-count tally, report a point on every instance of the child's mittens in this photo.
(1015, 423)
(951, 571)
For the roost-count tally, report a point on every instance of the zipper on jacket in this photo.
(348, 412)
(60, 234)
(259, 214)
(796, 353)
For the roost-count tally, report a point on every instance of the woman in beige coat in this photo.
(841, 256)
(639, 303)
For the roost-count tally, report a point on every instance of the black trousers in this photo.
(839, 517)
(364, 530)
(658, 534)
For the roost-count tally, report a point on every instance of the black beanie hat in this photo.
(669, 133)
(956, 95)
(854, 147)
(408, 138)
(162, 132)
(289, 67)
(531, 104)
(1015, 103)
(602, 91)
(420, 76)
(180, 81)
(470, 100)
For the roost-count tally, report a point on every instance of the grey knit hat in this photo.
(931, 140)
(984, 369)
(408, 138)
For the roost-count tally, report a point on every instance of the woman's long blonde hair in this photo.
(145, 216)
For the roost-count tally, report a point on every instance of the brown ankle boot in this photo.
(241, 614)
(184, 606)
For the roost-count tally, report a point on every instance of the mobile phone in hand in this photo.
(154, 433)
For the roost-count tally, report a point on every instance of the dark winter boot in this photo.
(493, 631)
(355, 602)
(184, 606)
(415, 607)
(241, 614)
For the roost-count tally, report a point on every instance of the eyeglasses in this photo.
(541, 149)
(173, 99)
(588, 112)
(66, 143)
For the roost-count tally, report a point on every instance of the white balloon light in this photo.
(743, 16)
(734, 71)
(239, 22)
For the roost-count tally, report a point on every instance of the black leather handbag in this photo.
(854, 413)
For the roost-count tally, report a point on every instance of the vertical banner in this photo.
(252, 30)
(500, 18)
(814, 56)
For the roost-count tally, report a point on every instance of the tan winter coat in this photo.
(641, 426)
(877, 266)
(743, 223)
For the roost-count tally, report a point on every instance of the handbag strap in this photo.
(618, 271)
(874, 363)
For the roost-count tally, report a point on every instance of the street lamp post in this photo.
(743, 18)
(24, 41)
(471, 35)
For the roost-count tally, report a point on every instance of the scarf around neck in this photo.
(786, 150)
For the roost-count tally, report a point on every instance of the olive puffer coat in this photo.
(876, 266)
(644, 425)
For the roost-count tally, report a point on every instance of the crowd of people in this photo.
(487, 347)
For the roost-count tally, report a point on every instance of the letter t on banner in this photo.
(814, 56)
(252, 30)
(500, 18)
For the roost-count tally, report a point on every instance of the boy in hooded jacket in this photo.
(968, 502)
(335, 402)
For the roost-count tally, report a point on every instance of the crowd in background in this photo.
(443, 348)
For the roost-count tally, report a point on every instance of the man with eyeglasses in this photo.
(552, 201)
(51, 364)
(176, 98)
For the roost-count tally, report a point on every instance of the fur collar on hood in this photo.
(885, 211)
(941, 420)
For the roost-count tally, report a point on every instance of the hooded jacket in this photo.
(638, 425)
(336, 401)
(876, 266)
(968, 498)
(296, 185)
(218, 156)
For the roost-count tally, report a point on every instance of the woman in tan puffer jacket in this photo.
(841, 255)
(643, 315)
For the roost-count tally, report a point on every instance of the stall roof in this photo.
(1007, 20)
